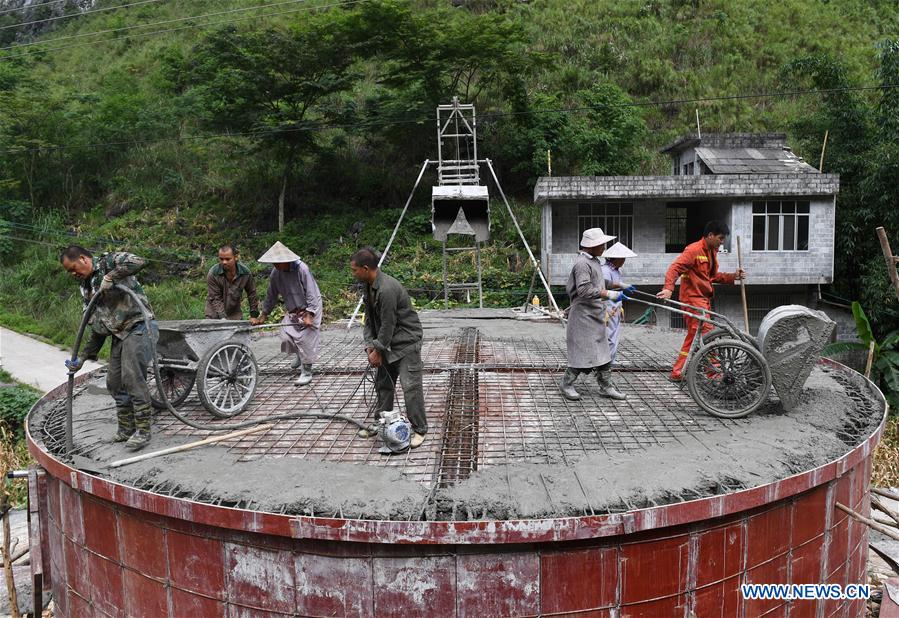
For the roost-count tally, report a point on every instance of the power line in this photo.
(484, 118)
(188, 27)
(84, 14)
(155, 23)
(91, 249)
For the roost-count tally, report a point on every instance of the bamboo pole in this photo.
(823, 148)
(891, 259)
(885, 530)
(870, 359)
(743, 287)
(189, 445)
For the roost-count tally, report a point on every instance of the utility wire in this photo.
(78, 14)
(188, 27)
(485, 118)
(154, 23)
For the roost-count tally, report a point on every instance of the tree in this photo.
(273, 85)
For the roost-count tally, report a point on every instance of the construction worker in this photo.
(697, 269)
(117, 315)
(226, 283)
(292, 281)
(585, 333)
(393, 337)
(614, 258)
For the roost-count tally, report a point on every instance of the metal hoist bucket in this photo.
(791, 338)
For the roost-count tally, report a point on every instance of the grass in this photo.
(15, 401)
(885, 472)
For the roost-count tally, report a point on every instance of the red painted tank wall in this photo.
(108, 559)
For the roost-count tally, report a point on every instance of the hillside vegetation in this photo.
(143, 130)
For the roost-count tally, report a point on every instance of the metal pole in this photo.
(524, 240)
(392, 236)
(445, 281)
(477, 248)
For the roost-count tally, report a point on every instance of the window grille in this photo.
(615, 219)
(780, 225)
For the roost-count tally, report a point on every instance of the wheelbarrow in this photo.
(214, 355)
(729, 372)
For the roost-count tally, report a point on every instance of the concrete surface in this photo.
(34, 362)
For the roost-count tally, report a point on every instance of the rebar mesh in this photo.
(490, 401)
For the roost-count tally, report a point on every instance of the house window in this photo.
(615, 219)
(688, 169)
(780, 225)
(675, 229)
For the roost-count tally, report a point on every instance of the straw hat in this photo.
(595, 237)
(618, 250)
(278, 254)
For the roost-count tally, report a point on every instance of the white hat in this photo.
(278, 254)
(618, 250)
(595, 237)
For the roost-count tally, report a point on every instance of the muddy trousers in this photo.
(126, 377)
(692, 324)
(408, 369)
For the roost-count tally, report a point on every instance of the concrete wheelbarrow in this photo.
(214, 355)
(730, 373)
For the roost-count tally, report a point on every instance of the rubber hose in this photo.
(147, 319)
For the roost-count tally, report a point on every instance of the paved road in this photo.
(34, 362)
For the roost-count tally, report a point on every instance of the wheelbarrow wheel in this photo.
(227, 379)
(728, 378)
(176, 382)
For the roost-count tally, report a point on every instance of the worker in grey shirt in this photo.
(392, 340)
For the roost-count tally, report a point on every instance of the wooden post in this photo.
(870, 359)
(823, 147)
(743, 287)
(890, 258)
(7, 561)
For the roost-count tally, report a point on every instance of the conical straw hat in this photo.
(278, 253)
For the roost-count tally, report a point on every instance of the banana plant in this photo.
(885, 364)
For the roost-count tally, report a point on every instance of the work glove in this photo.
(629, 289)
(106, 283)
(615, 295)
(75, 364)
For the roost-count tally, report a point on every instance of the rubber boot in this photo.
(305, 375)
(607, 387)
(566, 386)
(141, 436)
(125, 416)
(297, 361)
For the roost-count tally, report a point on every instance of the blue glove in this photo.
(629, 290)
(75, 364)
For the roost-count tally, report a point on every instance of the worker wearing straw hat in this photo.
(585, 333)
(292, 281)
(614, 258)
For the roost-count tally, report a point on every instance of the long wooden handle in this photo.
(885, 530)
(742, 287)
(189, 445)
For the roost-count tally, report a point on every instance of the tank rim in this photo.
(474, 532)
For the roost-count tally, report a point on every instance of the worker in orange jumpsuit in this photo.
(697, 268)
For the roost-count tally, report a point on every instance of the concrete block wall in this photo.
(764, 267)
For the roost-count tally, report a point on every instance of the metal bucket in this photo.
(791, 338)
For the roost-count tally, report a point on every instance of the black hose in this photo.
(147, 319)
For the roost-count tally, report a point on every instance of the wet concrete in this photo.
(769, 445)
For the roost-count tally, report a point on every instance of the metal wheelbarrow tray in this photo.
(211, 353)
(729, 372)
